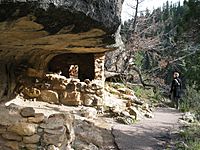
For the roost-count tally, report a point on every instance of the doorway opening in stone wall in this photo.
(74, 65)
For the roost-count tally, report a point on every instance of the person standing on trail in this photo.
(175, 91)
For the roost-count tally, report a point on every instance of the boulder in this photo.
(49, 96)
(89, 134)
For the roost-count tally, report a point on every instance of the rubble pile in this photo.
(125, 106)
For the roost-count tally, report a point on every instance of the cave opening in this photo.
(72, 65)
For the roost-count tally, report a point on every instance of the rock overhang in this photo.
(68, 26)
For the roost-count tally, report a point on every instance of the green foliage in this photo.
(193, 70)
(191, 101)
(191, 137)
(177, 29)
(139, 91)
(157, 96)
(138, 58)
(147, 94)
(116, 85)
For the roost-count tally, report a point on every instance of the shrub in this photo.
(191, 137)
(191, 101)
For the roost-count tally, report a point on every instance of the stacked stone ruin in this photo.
(33, 35)
(57, 89)
(25, 129)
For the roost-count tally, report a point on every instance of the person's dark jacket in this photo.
(176, 87)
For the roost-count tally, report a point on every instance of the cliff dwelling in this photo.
(54, 52)
(40, 38)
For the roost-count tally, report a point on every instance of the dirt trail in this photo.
(149, 134)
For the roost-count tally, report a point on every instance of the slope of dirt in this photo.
(148, 134)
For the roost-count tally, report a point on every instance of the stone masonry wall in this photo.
(99, 66)
(54, 88)
(23, 129)
(99, 70)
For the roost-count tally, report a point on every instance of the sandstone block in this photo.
(57, 121)
(28, 112)
(13, 145)
(58, 87)
(31, 139)
(23, 128)
(31, 92)
(12, 136)
(39, 117)
(49, 96)
(72, 98)
(58, 131)
(53, 123)
(56, 140)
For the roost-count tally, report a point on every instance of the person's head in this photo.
(176, 74)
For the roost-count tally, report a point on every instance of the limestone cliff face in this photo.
(34, 32)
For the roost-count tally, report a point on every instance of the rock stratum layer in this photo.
(32, 33)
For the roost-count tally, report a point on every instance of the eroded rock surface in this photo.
(35, 32)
